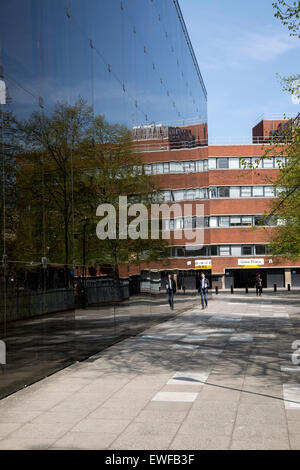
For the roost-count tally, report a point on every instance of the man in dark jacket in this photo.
(258, 285)
(203, 290)
(171, 289)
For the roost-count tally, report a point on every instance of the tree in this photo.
(72, 161)
(286, 236)
(289, 15)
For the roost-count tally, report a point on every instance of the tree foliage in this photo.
(68, 163)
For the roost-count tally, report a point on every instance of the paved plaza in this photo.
(219, 378)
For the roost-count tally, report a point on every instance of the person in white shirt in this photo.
(203, 290)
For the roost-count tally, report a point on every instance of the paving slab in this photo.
(212, 379)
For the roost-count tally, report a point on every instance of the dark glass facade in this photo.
(130, 61)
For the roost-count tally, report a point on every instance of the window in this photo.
(166, 195)
(236, 250)
(188, 223)
(204, 193)
(190, 194)
(179, 224)
(199, 165)
(235, 192)
(268, 162)
(222, 163)
(159, 168)
(148, 169)
(246, 250)
(247, 220)
(179, 195)
(269, 191)
(224, 250)
(205, 165)
(213, 221)
(235, 221)
(166, 167)
(245, 163)
(259, 220)
(224, 191)
(214, 250)
(223, 221)
(258, 191)
(180, 252)
(260, 249)
(234, 162)
(256, 162)
(173, 167)
(213, 193)
(246, 191)
(279, 162)
(212, 163)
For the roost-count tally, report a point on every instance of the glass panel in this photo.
(258, 191)
(214, 250)
(246, 250)
(260, 249)
(213, 221)
(224, 250)
(246, 191)
(269, 191)
(223, 221)
(234, 162)
(235, 191)
(236, 250)
(224, 191)
(213, 193)
(247, 220)
(222, 162)
(235, 220)
(268, 162)
(212, 163)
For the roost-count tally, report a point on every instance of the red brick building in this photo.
(235, 198)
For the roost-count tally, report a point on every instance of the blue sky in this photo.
(240, 48)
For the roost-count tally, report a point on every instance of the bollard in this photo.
(289, 287)
(217, 290)
(275, 287)
(231, 288)
(246, 289)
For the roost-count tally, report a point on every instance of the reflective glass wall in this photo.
(63, 62)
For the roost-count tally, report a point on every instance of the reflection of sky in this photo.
(150, 76)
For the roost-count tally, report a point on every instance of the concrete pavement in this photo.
(220, 378)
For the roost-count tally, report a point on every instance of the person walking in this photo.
(258, 285)
(171, 289)
(203, 290)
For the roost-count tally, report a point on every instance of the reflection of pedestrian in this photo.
(258, 285)
(171, 289)
(203, 290)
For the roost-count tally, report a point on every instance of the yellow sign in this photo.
(250, 266)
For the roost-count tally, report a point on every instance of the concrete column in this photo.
(223, 281)
(287, 276)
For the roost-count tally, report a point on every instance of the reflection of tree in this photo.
(8, 195)
(71, 162)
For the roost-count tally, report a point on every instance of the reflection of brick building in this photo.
(234, 198)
